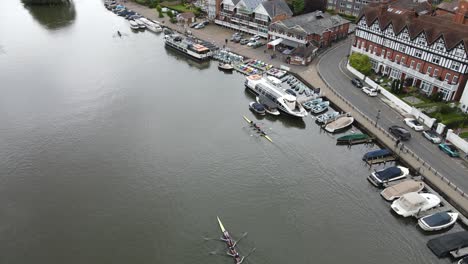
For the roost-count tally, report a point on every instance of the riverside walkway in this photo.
(310, 74)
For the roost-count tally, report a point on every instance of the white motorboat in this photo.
(396, 191)
(150, 25)
(437, 221)
(339, 124)
(134, 25)
(320, 108)
(325, 118)
(140, 23)
(187, 46)
(411, 204)
(225, 66)
(380, 177)
(270, 87)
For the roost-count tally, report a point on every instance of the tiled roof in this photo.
(277, 7)
(312, 23)
(434, 27)
(251, 4)
(449, 6)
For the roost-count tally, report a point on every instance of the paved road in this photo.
(332, 67)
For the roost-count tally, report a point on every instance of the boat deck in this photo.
(381, 160)
(357, 141)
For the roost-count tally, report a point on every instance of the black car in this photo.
(356, 82)
(400, 132)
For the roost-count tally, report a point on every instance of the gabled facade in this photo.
(252, 16)
(429, 52)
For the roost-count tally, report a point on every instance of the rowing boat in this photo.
(258, 129)
(231, 244)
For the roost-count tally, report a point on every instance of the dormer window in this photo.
(440, 47)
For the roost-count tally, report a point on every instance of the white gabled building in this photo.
(429, 52)
(252, 16)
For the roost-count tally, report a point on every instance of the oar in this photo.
(243, 235)
(243, 258)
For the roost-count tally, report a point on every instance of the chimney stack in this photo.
(461, 12)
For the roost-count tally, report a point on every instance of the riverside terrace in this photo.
(456, 196)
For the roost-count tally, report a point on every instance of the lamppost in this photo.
(377, 117)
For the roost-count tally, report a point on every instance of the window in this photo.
(383, 53)
(436, 72)
(459, 53)
(403, 59)
(426, 87)
(421, 41)
(429, 69)
(436, 59)
(388, 54)
(418, 66)
(375, 50)
(455, 79)
(418, 53)
(370, 48)
(412, 65)
(440, 47)
(358, 43)
(397, 58)
(455, 66)
(447, 76)
(402, 48)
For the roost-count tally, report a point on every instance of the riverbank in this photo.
(310, 74)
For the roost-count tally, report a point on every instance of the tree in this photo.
(393, 86)
(400, 90)
(361, 63)
(298, 6)
(313, 5)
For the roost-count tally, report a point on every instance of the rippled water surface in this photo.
(116, 150)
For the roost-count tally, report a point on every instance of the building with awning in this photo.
(274, 43)
(317, 28)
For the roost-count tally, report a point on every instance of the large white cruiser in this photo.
(271, 88)
(187, 46)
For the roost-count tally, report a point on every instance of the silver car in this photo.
(432, 136)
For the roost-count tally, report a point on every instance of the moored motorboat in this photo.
(353, 138)
(443, 245)
(463, 261)
(321, 107)
(396, 191)
(309, 104)
(339, 124)
(381, 177)
(140, 23)
(325, 118)
(150, 25)
(133, 25)
(257, 108)
(270, 107)
(377, 154)
(225, 66)
(437, 221)
(411, 204)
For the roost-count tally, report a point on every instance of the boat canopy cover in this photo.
(275, 42)
(437, 219)
(258, 107)
(377, 153)
(441, 246)
(388, 173)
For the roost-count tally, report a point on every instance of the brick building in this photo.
(428, 51)
(354, 7)
(317, 28)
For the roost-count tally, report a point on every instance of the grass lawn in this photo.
(464, 135)
(183, 8)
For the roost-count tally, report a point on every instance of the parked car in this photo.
(252, 43)
(400, 132)
(356, 82)
(244, 41)
(200, 26)
(236, 35)
(432, 136)
(258, 44)
(449, 149)
(205, 23)
(194, 24)
(414, 124)
(369, 91)
(237, 39)
(255, 37)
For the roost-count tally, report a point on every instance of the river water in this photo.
(116, 150)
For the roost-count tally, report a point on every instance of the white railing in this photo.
(241, 28)
(283, 36)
